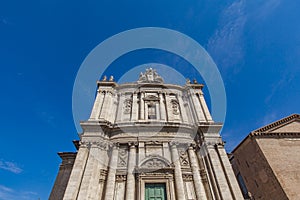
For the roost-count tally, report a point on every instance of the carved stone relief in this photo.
(123, 156)
(121, 178)
(184, 158)
(187, 177)
(175, 107)
(150, 76)
(127, 106)
(103, 174)
(92, 144)
(154, 163)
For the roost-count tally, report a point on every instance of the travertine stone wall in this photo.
(150, 132)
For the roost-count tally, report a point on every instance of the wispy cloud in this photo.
(286, 78)
(7, 193)
(265, 8)
(226, 45)
(10, 166)
(267, 119)
(5, 189)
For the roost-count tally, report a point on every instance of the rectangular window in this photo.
(155, 191)
(151, 112)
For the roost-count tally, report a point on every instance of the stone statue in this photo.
(150, 76)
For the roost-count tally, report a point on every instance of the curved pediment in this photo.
(154, 161)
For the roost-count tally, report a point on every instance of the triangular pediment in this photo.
(290, 124)
(288, 128)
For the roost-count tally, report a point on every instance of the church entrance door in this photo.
(155, 191)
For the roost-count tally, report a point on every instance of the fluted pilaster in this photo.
(177, 173)
(200, 191)
(76, 174)
(130, 182)
(97, 105)
(162, 107)
(142, 106)
(111, 177)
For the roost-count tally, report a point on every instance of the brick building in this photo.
(267, 162)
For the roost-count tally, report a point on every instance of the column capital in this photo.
(132, 144)
(192, 146)
(85, 144)
(174, 143)
(114, 145)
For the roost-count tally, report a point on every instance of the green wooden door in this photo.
(155, 191)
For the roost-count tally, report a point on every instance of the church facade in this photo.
(147, 140)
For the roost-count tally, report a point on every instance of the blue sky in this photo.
(255, 44)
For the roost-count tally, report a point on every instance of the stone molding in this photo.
(272, 134)
(277, 124)
(94, 144)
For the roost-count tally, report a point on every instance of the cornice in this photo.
(278, 123)
(272, 134)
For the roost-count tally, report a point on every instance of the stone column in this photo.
(99, 155)
(97, 105)
(207, 175)
(182, 109)
(134, 114)
(162, 107)
(166, 151)
(130, 182)
(141, 153)
(111, 177)
(232, 182)
(120, 107)
(142, 106)
(219, 173)
(103, 162)
(198, 109)
(146, 111)
(204, 106)
(177, 173)
(111, 108)
(200, 191)
(108, 106)
(168, 110)
(157, 111)
(88, 176)
(77, 173)
(102, 114)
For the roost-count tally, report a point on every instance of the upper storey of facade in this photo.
(149, 101)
